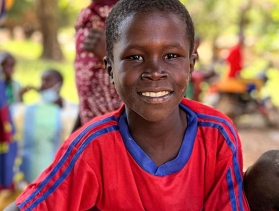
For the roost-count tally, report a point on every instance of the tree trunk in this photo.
(47, 15)
(242, 18)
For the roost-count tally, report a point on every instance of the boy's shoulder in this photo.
(110, 118)
(97, 127)
(203, 110)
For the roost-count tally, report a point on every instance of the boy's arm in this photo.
(226, 192)
(64, 184)
(11, 207)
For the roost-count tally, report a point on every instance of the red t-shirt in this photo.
(101, 167)
(235, 61)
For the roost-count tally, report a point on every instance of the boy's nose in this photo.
(154, 71)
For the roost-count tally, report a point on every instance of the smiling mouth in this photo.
(155, 94)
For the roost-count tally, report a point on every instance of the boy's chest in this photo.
(131, 188)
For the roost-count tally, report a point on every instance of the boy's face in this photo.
(152, 64)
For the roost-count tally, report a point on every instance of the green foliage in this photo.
(212, 18)
(215, 18)
(23, 11)
(19, 7)
(68, 11)
(218, 18)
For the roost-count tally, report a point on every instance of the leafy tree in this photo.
(47, 11)
(22, 14)
(259, 19)
(46, 16)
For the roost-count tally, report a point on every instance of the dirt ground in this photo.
(256, 141)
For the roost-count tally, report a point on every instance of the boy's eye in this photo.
(136, 57)
(171, 56)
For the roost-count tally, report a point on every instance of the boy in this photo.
(97, 96)
(159, 151)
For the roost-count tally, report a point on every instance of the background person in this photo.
(96, 94)
(43, 126)
(8, 146)
(235, 58)
(8, 153)
(12, 87)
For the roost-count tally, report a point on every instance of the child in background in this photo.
(13, 88)
(44, 125)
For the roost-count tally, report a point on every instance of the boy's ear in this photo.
(193, 59)
(109, 68)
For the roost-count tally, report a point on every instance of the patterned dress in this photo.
(97, 95)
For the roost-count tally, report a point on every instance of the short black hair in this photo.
(125, 8)
(56, 74)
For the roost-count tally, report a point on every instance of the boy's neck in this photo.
(160, 141)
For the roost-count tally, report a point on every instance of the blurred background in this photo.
(40, 34)
(241, 33)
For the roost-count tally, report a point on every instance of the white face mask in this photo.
(50, 95)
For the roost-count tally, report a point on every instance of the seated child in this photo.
(159, 151)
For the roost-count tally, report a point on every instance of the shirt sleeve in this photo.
(63, 185)
(226, 193)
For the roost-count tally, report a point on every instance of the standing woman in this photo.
(96, 94)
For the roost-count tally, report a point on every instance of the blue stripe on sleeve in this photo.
(236, 166)
(231, 189)
(222, 131)
(71, 165)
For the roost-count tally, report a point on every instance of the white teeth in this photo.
(155, 94)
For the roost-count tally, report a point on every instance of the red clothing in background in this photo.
(235, 61)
